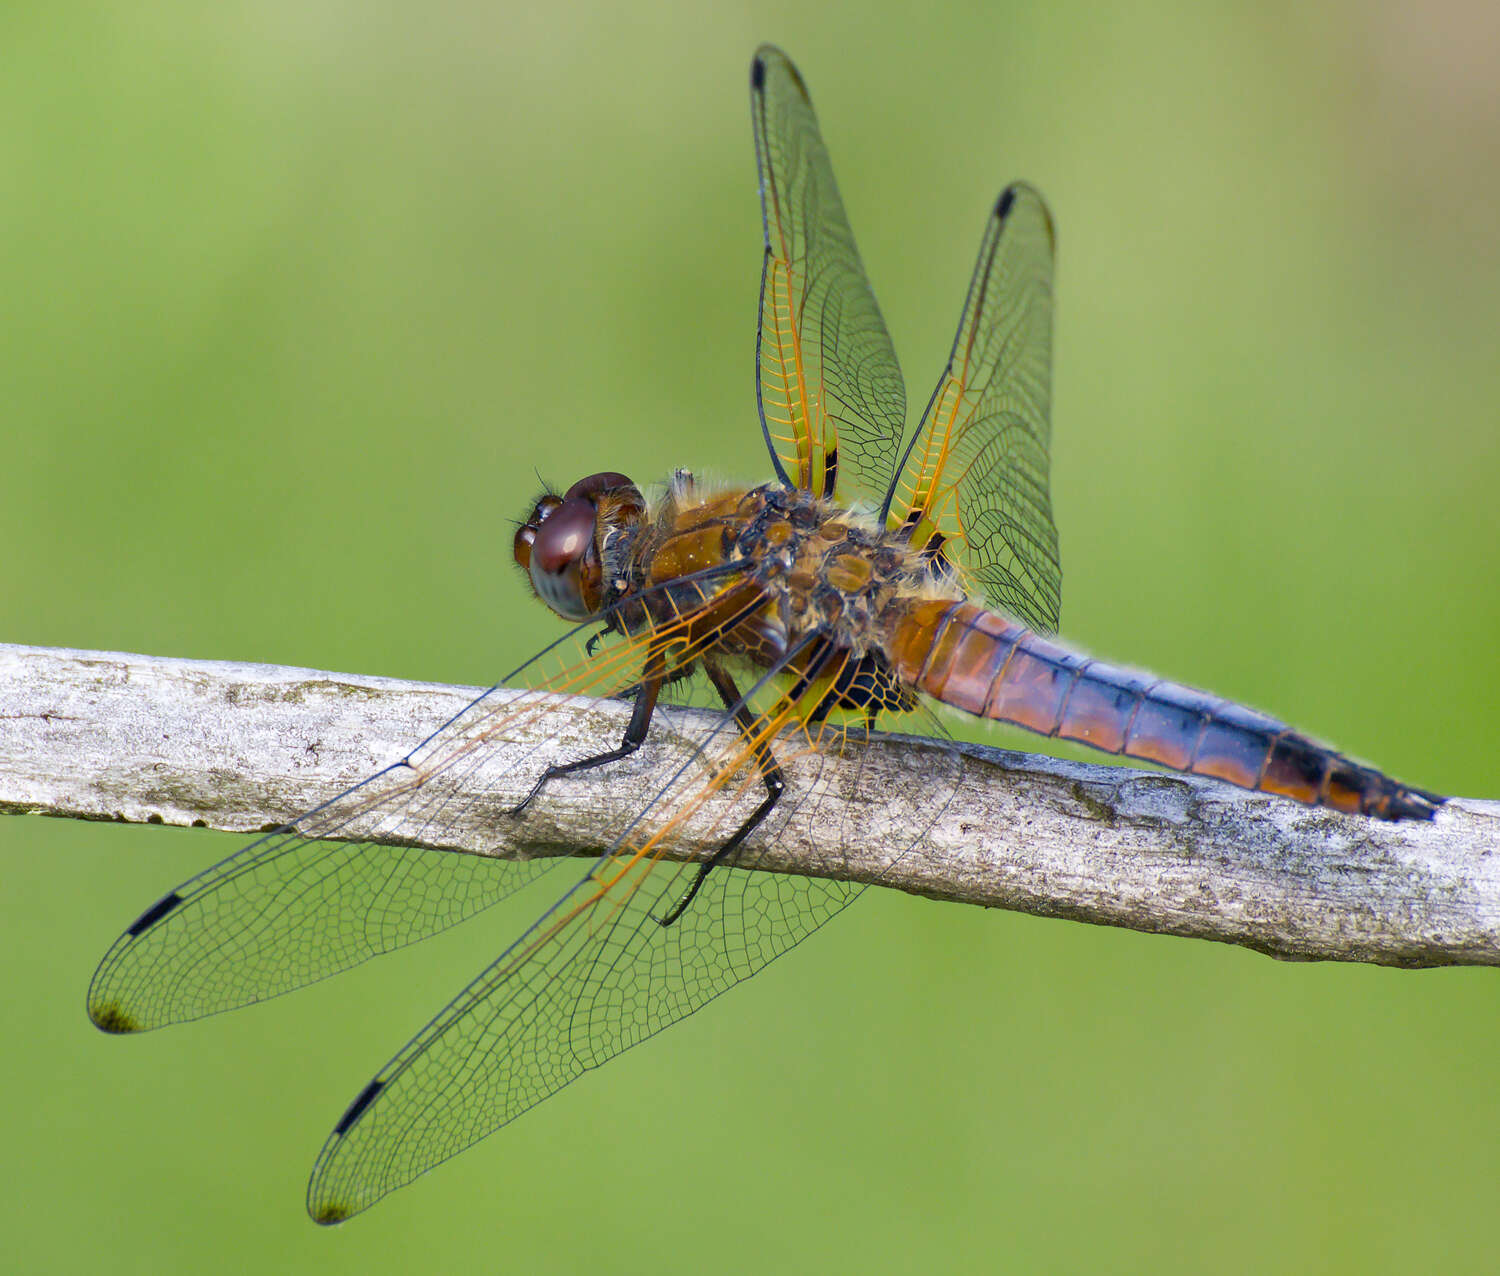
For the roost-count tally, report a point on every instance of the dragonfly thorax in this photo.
(796, 574)
(832, 570)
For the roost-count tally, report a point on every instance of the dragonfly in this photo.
(875, 574)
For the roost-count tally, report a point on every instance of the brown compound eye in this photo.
(560, 558)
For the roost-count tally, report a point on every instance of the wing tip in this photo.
(111, 1017)
(758, 68)
(327, 1208)
(330, 1213)
(1005, 205)
(767, 56)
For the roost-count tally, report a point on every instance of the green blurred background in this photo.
(297, 294)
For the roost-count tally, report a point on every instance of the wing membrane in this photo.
(832, 402)
(331, 890)
(600, 972)
(974, 484)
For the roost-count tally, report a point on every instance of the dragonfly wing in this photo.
(285, 912)
(333, 888)
(832, 402)
(974, 485)
(599, 972)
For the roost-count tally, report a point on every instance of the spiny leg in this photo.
(770, 773)
(610, 626)
(643, 706)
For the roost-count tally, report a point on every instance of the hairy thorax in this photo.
(817, 568)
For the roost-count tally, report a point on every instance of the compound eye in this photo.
(560, 557)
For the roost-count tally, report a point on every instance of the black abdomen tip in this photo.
(1414, 804)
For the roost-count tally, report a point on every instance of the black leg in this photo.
(592, 645)
(770, 773)
(645, 695)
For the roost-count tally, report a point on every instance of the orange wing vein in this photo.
(832, 402)
(974, 483)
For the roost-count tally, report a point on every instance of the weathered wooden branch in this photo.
(106, 736)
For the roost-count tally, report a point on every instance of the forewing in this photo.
(331, 890)
(974, 485)
(600, 971)
(832, 403)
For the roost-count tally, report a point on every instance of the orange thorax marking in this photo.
(818, 568)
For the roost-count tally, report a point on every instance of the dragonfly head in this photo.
(559, 546)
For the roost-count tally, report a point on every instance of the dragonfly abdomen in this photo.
(994, 667)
